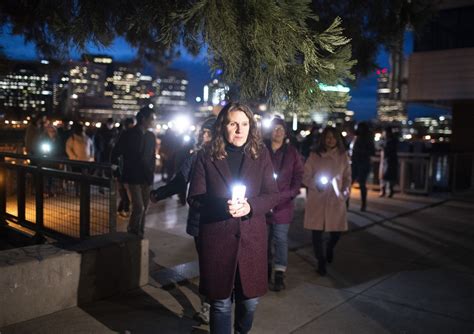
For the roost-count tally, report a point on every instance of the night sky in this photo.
(363, 101)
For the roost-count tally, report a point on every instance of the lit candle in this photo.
(46, 147)
(324, 180)
(238, 192)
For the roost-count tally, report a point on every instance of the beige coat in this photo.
(80, 148)
(325, 209)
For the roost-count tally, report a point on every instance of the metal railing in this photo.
(424, 173)
(63, 199)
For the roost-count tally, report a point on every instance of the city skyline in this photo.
(364, 92)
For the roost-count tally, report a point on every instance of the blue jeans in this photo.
(278, 236)
(221, 315)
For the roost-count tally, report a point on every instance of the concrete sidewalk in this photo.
(406, 266)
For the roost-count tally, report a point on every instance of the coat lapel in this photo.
(246, 168)
(223, 169)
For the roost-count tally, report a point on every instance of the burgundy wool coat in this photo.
(288, 168)
(224, 242)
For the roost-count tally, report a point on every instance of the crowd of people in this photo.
(242, 234)
(240, 196)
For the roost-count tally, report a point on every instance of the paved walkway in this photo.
(406, 266)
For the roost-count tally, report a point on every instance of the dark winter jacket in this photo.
(135, 154)
(288, 171)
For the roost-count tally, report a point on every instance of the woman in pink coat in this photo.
(327, 176)
(232, 237)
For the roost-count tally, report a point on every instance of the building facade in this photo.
(388, 109)
(441, 68)
(26, 89)
(171, 98)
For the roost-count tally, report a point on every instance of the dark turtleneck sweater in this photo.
(235, 157)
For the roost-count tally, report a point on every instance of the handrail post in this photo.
(84, 210)
(21, 195)
(3, 190)
(454, 171)
(472, 173)
(112, 203)
(402, 174)
(39, 204)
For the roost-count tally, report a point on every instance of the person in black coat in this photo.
(388, 163)
(136, 150)
(363, 148)
(176, 185)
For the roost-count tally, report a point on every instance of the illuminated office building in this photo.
(86, 86)
(129, 89)
(26, 89)
(435, 129)
(171, 98)
(388, 110)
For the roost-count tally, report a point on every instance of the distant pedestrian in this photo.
(362, 148)
(123, 207)
(232, 237)
(105, 140)
(32, 135)
(288, 173)
(327, 176)
(79, 146)
(175, 186)
(136, 149)
(388, 162)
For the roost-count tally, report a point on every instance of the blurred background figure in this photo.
(176, 186)
(64, 132)
(136, 151)
(288, 173)
(362, 148)
(327, 176)
(33, 132)
(123, 207)
(169, 144)
(79, 146)
(105, 140)
(388, 162)
(48, 146)
(309, 141)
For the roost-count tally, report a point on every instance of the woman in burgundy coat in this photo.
(288, 172)
(233, 237)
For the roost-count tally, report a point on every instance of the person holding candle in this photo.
(232, 237)
(288, 173)
(327, 176)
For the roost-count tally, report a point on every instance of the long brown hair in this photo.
(218, 143)
(320, 146)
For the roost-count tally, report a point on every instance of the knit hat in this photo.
(209, 123)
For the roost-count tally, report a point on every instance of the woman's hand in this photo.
(238, 208)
